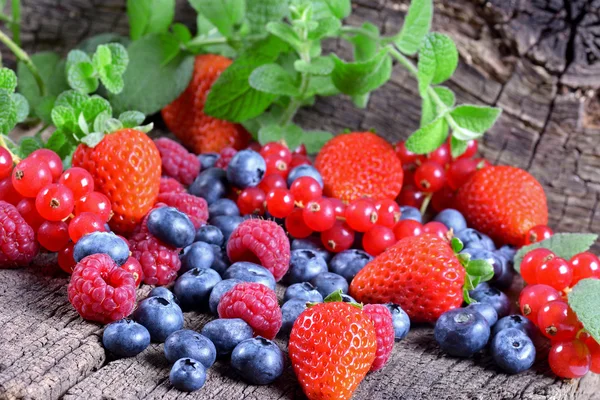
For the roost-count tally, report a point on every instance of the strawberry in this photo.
(360, 164)
(504, 203)
(126, 167)
(332, 347)
(186, 119)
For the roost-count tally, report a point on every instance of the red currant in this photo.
(26, 207)
(294, 224)
(83, 224)
(377, 239)
(306, 189)
(537, 234)
(51, 159)
(558, 322)
(441, 155)
(6, 163)
(534, 297)
(531, 261)
(570, 359)
(410, 196)
(405, 155)
(555, 272)
(361, 215)
(94, 202)
(594, 349)
(338, 238)
(78, 180)
(339, 207)
(443, 199)
(251, 201)
(30, 176)
(460, 171)
(280, 203)
(273, 181)
(66, 262)
(133, 265)
(584, 265)
(276, 165)
(319, 215)
(55, 202)
(298, 159)
(472, 146)
(430, 177)
(8, 192)
(278, 150)
(436, 228)
(407, 228)
(388, 212)
(53, 235)
(300, 150)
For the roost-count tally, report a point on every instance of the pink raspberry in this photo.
(225, 157)
(194, 207)
(170, 185)
(159, 262)
(18, 246)
(261, 241)
(384, 330)
(101, 291)
(254, 303)
(177, 162)
(135, 268)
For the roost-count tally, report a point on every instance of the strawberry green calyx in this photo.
(477, 271)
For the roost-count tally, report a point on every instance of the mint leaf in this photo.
(457, 147)
(64, 118)
(365, 47)
(322, 86)
(110, 61)
(182, 32)
(71, 99)
(318, 66)
(339, 8)
(75, 57)
(28, 145)
(8, 112)
(270, 133)
(584, 300)
(446, 95)
(285, 32)
(292, 135)
(438, 59)
(363, 76)
(564, 245)
(315, 140)
(326, 27)
(149, 16)
(131, 119)
(476, 119)
(429, 137)
(224, 14)
(271, 78)
(428, 113)
(416, 25)
(21, 106)
(94, 106)
(261, 12)
(56, 141)
(81, 76)
(8, 80)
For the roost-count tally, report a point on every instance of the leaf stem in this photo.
(295, 102)
(24, 58)
(357, 30)
(5, 18)
(16, 159)
(425, 204)
(15, 23)
(204, 41)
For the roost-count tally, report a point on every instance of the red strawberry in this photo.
(504, 203)
(186, 119)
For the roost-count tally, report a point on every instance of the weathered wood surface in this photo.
(536, 59)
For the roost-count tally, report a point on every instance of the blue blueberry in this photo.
(246, 169)
(290, 311)
(508, 252)
(102, 242)
(161, 291)
(328, 282)
(311, 243)
(210, 184)
(208, 160)
(346, 298)
(304, 170)
(258, 361)
(226, 224)
(400, 319)
(218, 291)
(193, 288)
(227, 333)
(505, 278)
(408, 212)
(249, 272)
(453, 219)
(486, 310)
(348, 263)
(461, 332)
(221, 262)
(513, 351)
(492, 296)
(498, 263)
(187, 375)
(160, 316)
(303, 291)
(475, 239)
(515, 321)
(224, 207)
(304, 266)
(125, 338)
(171, 226)
(210, 234)
(186, 343)
(197, 255)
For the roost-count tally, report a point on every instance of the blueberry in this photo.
(492, 296)
(171, 226)
(161, 291)
(160, 316)
(515, 321)
(304, 266)
(218, 291)
(221, 261)
(474, 239)
(189, 344)
(226, 224)
(193, 288)
(348, 263)
(224, 207)
(303, 291)
(508, 252)
(505, 278)
(210, 234)
(304, 170)
(227, 333)
(197, 255)
(513, 351)
(311, 243)
(328, 282)
(400, 319)
(246, 169)
(290, 311)
(486, 310)
(187, 375)
(102, 242)
(346, 298)
(210, 184)
(408, 212)
(498, 263)
(208, 160)
(258, 361)
(453, 219)
(250, 272)
(461, 332)
(125, 338)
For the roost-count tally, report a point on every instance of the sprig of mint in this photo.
(106, 65)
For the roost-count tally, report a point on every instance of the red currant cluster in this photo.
(543, 302)
(61, 207)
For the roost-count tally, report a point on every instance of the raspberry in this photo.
(261, 241)
(384, 330)
(194, 207)
(254, 303)
(101, 291)
(177, 162)
(225, 157)
(160, 262)
(170, 185)
(17, 239)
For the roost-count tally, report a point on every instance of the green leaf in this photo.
(271, 78)
(64, 118)
(456, 245)
(21, 106)
(28, 145)
(224, 14)
(480, 268)
(75, 57)
(100, 121)
(71, 99)
(457, 147)
(132, 119)
(90, 45)
(584, 300)
(438, 59)
(322, 86)
(362, 77)
(111, 62)
(416, 26)
(428, 113)
(94, 106)
(318, 66)
(477, 119)
(315, 140)
(182, 32)
(564, 245)
(149, 16)
(365, 47)
(8, 80)
(93, 139)
(83, 125)
(260, 12)
(8, 112)
(293, 135)
(339, 8)
(361, 100)
(446, 95)
(112, 125)
(327, 27)
(81, 76)
(56, 141)
(285, 32)
(270, 133)
(429, 137)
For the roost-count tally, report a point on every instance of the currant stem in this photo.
(16, 158)
(24, 58)
(425, 204)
